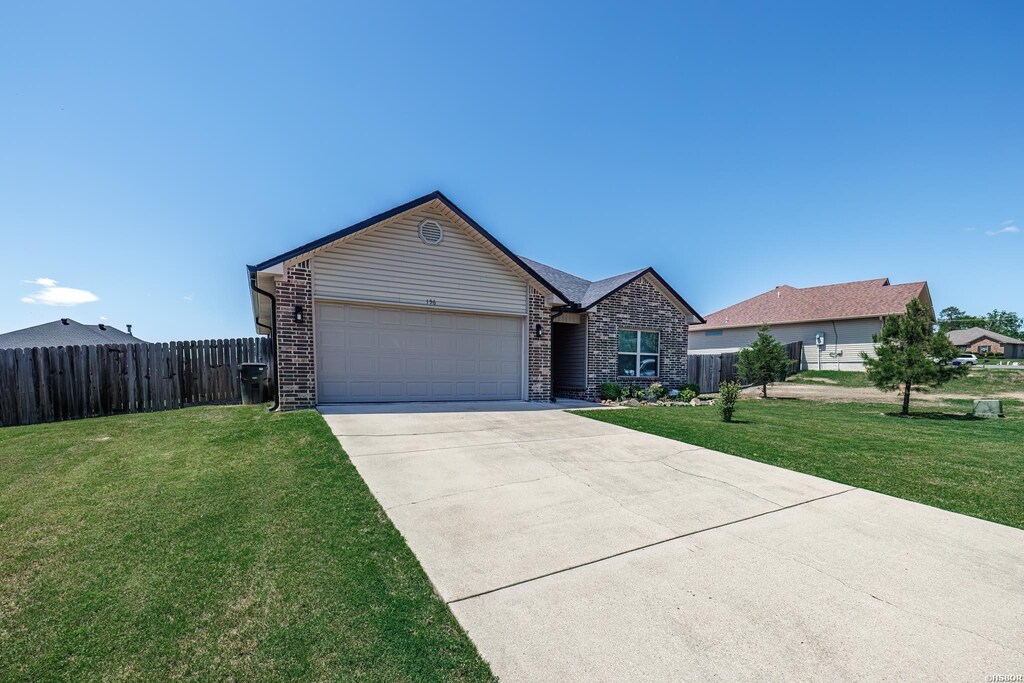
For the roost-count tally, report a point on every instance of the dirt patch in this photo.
(821, 380)
(828, 393)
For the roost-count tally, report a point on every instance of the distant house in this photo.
(66, 332)
(834, 322)
(980, 340)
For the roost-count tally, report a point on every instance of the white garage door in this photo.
(369, 354)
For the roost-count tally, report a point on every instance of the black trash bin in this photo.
(254, 382)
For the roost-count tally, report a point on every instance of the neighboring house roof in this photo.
(785, 304)
(65, 332)
(574, 291)
(973, 334)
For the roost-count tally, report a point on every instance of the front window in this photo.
(984, 348)
(638, 353)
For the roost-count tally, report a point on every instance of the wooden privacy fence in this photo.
(711, 369)
(71, 382)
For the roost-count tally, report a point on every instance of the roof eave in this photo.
(859, 316)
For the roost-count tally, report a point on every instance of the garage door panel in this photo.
(360, 314)
(388, 316)
(444, 391)
(391, 340)
(362, 366)
(393, 391)
(357, 340)
(442, 321)
(370, 354)
(443, 367)
(328, 314)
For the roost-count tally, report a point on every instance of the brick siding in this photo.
(296, 374)
(638, 305)
(539, 348)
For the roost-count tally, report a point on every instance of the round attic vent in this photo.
(431, 232)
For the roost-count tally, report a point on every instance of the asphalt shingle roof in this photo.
(581, 291)
(65, 332)
(973, 334)
(785, 304)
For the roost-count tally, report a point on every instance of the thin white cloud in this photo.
(44, 281)
(1007, 230)
(52, 295)
(103, 317)
(1009, 222)
(188, 297)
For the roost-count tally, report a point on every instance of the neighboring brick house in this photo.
(420, 303)
(986, 342)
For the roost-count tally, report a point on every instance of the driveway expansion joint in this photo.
(648, 545)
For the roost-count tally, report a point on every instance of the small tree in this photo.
(764, 361)
(911, 355)
(728, 394)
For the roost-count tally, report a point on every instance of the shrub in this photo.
(687, 395)
(728, 394)
(695, 388)
(610, 391)
(656, 391)
(633, 392)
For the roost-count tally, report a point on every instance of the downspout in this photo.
(835, 331)
(273, 334)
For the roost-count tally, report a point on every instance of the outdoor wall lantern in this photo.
(539, 329)
(298, 314)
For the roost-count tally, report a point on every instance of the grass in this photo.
(208, 543)
(840, 378)
(940, 458)
(979, 382)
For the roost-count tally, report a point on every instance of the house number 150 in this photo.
(431, 302)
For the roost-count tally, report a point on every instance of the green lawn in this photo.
(979, 382)
(945, 459)
(208, 543)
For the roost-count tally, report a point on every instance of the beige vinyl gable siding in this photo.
(389, 263)
(854, 336)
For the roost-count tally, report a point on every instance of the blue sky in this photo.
(148, 152)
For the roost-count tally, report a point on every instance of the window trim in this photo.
(636, 354)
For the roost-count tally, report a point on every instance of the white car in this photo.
(965, 359)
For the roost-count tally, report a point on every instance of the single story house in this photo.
(980, 340)
(420, 303)
(66, 332)
(834, 322)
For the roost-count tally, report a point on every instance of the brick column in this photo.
(539, 348)
(296, 379)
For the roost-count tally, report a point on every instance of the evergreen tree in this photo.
(911, 355)
(763, 362)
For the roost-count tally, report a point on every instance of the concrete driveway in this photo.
(571, 549)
